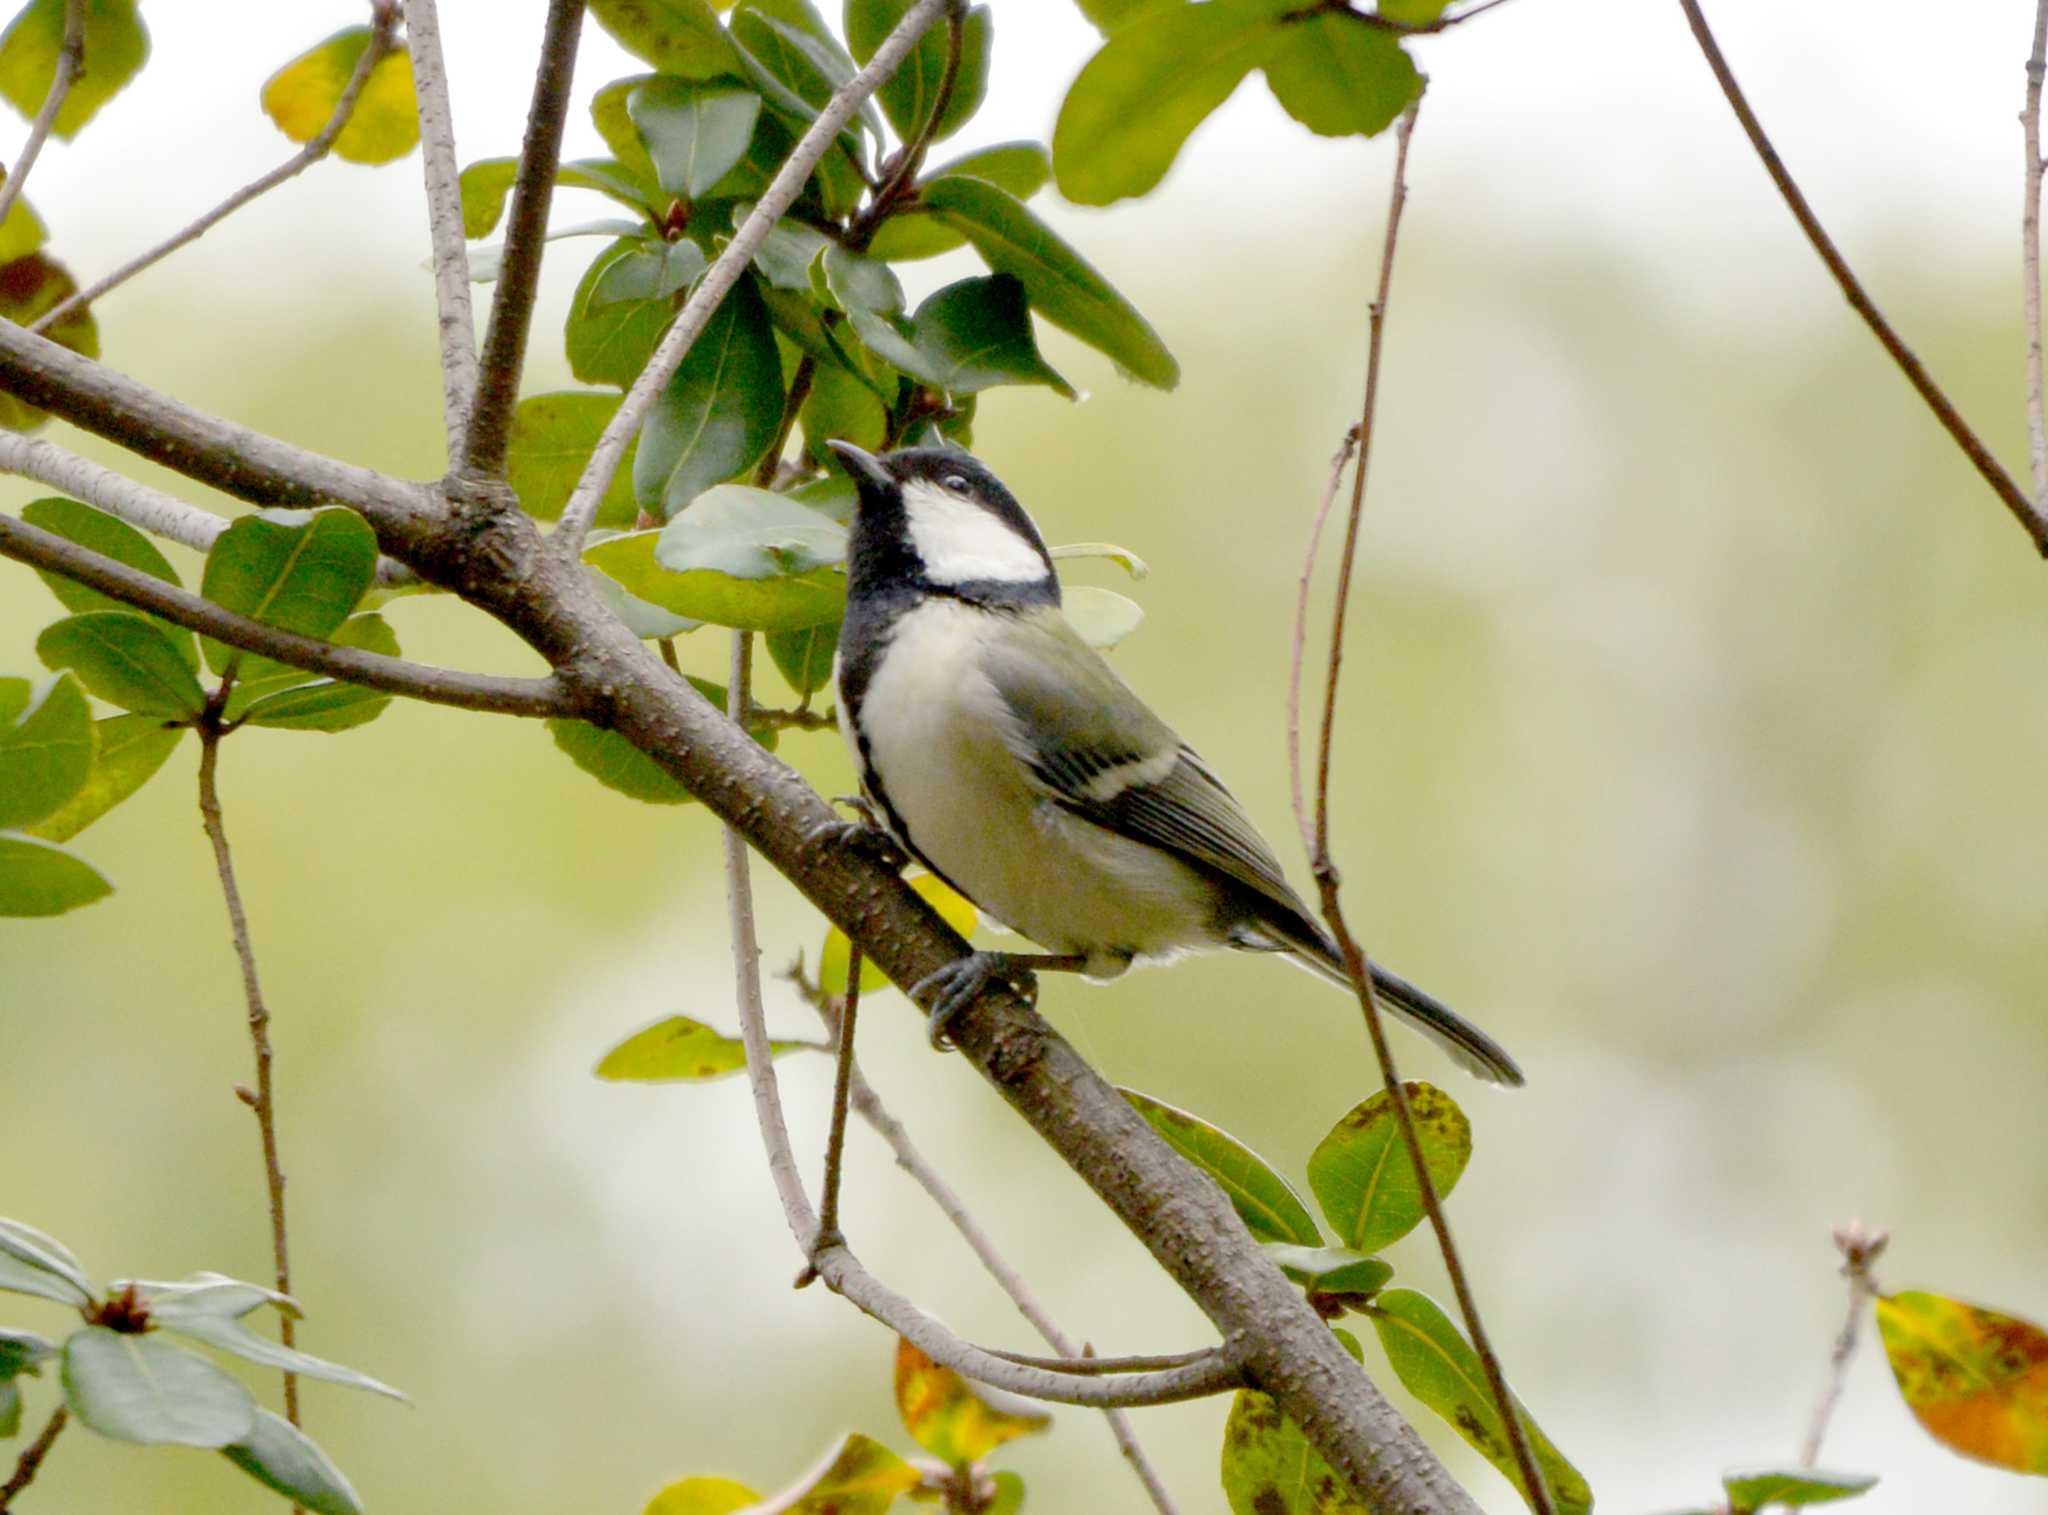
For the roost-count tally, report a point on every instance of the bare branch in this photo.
(2031, 520)
(504, 356)
(70, 57)
(32, 1456)
(152, 510)
(1859, 1249)
(316, 148)
(725, 272)
(1300, 642)
(438, 686)
(444, 220)
(1534, 1487)
(262, 1100)
(2030, 255)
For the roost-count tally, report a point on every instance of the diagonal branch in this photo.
(1988, 467)
(444, 220)
(2030, 254)
(31, 1459)
(316, 148)
(373, 670)
(70, 59)
(504, 356)
(725, 272)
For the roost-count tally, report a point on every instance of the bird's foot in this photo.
(866, 835)
(954, 987)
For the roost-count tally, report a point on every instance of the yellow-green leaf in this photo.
(1752, 1489)
(701, 1496)
(131, 749)
(951, 1419)
(859, 1476)
(1264, 1201)
(679, 1049)
(815, 598)
(1363, 1177)
(1975, 1378)
(39, 878)
(553, 436)
(301, 98)
(954, 908)
(116, 46)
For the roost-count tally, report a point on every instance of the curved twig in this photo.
(444, 220)
(31, 1459)
(1988, 467)
(437, 686)
(70, 57)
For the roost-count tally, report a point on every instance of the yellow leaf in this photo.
(954, 908)
(950, 1418)
(702, 1496)
(680, 1049)
(1976, 1379)
(301, 98)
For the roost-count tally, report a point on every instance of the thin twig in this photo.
(1859, 1249)
(70, 56)
(1300, 643)
(2031, 520)
(444, 220)
(316, 148)
(842, 1084)
(1356, 963)
(792, 406)
(2030, 255)
(504, 356)
(725, 272)
(903, 169)
(32, 1456)
(1086, 1363)
(438, 686)
(263, 1099)
(152, 510)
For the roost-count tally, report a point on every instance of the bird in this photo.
(1000, 750)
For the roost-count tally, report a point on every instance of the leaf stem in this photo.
(263, 1099)
(70, 59)
(31, 1459)
(1535, 1489)
(444, 220)
(2031, 519)
(384, 22)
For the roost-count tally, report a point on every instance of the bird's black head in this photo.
(936, 519)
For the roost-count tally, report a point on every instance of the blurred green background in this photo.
(1692, 744)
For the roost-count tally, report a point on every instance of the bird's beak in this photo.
(865, 467)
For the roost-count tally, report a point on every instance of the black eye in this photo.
(955, 482)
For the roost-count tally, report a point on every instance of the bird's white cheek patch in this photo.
(961, 543)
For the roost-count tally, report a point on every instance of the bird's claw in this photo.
(953, 988)
(865, 837)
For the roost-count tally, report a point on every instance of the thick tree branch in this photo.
(504, 356)
(725, 272)
(316, 148)
(437, 686)
(444, 220)
(70, 56)
(2031, 520)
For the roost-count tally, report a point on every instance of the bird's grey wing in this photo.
(1097, 750)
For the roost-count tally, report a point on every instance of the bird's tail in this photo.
(1469, 1047)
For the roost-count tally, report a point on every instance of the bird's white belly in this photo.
(936, 732)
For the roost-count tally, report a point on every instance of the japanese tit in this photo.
(1003, 753)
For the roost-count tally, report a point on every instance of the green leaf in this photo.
(1340, 78)
(1436, 1364)
(1265, 1201)
(207, 1294)
(110, 537)
(1059, 281)
(1752, 1489)
(694, 133)
(125, 659)
(23, 230)
(1412, 12)
(129, 750)
(10, 1409)
(141, 1388)
(301, 571)
(552, 438)
(750, 533)
(681, 1050)
(1102, 616)
(796, 73)
(37, 878)
(655, 270)
(859, 1476)
(280, 1456)
(487, 184)
(1977, 1379)
(1135, 102)
(1112, 16)
(836, 956)
(1123, 557)
(701, 1496)
(261, 677)
(1269, 1468)
(952, 1419)
(617, 763)
(24, 1352)
(1329, 1270)
(977, 334)
(302, 96)
(14, 697)
(842, 404)
(326, 705)
(45, 754)
(200, 1322)
(787, 252)
(34, 1262)
(611, 343)
(781, 604)
(1362, 1175)
(116, 46)
(720, 412)
(1020, 169)
(1009, 1496)
(909, 96)
(805, 657)
(676, 36)
(30, 288)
